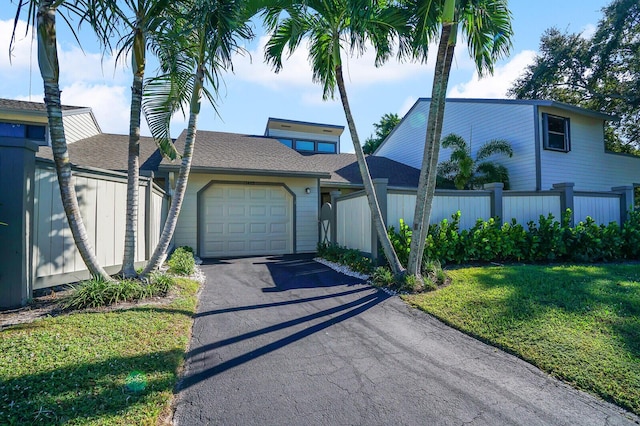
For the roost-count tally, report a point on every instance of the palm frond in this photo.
(494, 146)
(455, 141)
(488, 172)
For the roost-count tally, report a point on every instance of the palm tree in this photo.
(465, 172)
(44, 15)
(196, 45)
(332, 27)
(487, 27)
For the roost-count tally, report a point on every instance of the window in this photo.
(305, 146)
(556, 133)
(287, 142)
(24, 131)
(327, 147)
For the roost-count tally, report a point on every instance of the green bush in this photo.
(349, 257)
(98, 292)
(182, 262)
(383, 277)
(546, 240)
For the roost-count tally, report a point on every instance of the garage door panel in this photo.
(247, 220)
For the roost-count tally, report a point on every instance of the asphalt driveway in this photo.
(287, 341)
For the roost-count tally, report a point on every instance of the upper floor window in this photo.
(287, 142)
(310, 146)
(556, 132)
(34, 132)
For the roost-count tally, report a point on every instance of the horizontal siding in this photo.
(306, 208)
(353, 228)
(587, 165)
(79, 126)
(278, 133)
(528, 208)
(602, 210)
(477, 123)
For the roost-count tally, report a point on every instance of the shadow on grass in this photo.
(90, 391)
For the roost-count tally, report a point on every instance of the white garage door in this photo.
(242, 220)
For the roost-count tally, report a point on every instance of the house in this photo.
(552, 142)
(246, 194)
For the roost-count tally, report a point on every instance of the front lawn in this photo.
(578, 323)
(111, 367)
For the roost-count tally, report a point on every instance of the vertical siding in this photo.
(353, 228)
(477, 123)
(79, 126)
(602, 210)
(102, 203)
(526, 208)
(586, 164)
(472, 208)
(307, 208)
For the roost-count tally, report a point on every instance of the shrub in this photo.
(383, 277)
(182, 262)
(160, 284)
(349, 257)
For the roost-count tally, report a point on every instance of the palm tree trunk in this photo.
(49, 69)
(427, 182)
(160, 252)
(133, 164)
(376, 215)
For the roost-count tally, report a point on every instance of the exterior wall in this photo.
(472, 204)
(477, 123)
(586, 164)
(79, 126)
(353, 228)
(307, 208)
(102, 201)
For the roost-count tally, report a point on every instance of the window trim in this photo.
(545, 132)
(40, 142)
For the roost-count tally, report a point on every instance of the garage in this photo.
(246, 220)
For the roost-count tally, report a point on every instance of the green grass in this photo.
(107, 368)
(578, 323)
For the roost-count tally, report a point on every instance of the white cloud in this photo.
(588, 31)
(497, 85)
(406, 105)
(22, 47)
(296, 71)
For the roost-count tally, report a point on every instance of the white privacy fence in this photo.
(352, 217)
(102, 198)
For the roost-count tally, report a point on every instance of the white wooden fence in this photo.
(352, 219)
(102, 197)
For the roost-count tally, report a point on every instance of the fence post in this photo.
(566, 199)
(380, 187)
(496, 189)
(17, 187)
(626, 201)
(334, 216)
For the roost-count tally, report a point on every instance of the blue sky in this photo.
(253, 93)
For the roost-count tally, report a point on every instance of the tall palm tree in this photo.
(196, 46)
(466, 172)
(43, 13)
(332, 27)
(487, 27)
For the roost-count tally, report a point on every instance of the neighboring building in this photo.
(246, 195)
(552, 142)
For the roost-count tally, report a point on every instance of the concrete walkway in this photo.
(287, 341)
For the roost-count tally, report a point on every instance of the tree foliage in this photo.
(382, 129)
(601, 72)
(462, 171)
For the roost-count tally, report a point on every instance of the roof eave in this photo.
(251, 172)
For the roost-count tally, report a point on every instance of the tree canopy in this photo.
(382, 129)
(601, 72)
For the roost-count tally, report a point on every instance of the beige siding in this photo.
(477, 123)
(307, 209)
(527, 208)
(278, 133)
(102, 203)
(79, 126)
(587, 165)
(353, 228)
(602, 210)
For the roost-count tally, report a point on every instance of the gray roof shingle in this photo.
(15, 105)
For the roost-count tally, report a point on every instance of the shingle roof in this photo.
(107, 151)
(344, 169)
(217, 151)
(221, 152)
(12, 104)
